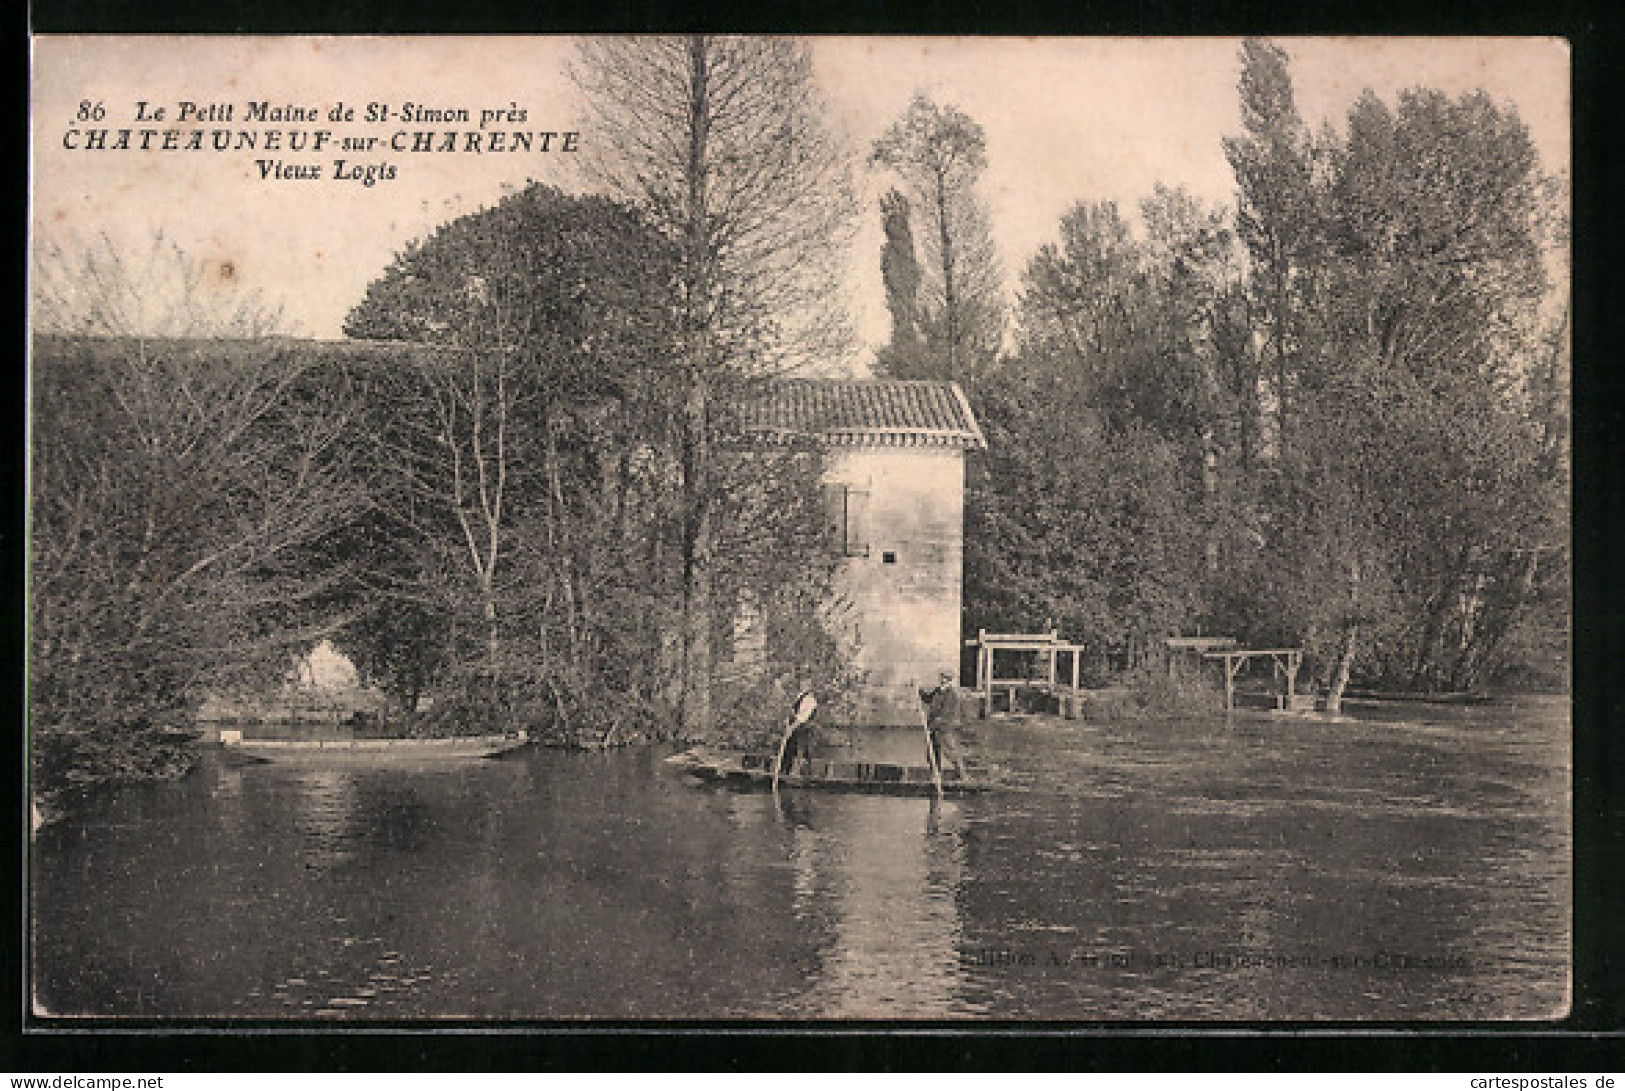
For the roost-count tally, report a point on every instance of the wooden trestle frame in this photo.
(1283, 661)
(1049, 645)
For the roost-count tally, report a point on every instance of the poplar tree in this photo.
(939, 153)
(1277, 214)
(900, 275)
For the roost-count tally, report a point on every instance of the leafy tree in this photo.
(529, 540)
(1139, 319)
(1101, 490)
(1082, 301)
(1346, 432)
(1076, 521)
(1399, 269)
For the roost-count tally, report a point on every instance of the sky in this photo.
(1067, 120)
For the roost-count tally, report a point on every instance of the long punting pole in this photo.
(984, 672)
(778, 761)
(931, 753)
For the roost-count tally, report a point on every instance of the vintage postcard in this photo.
(544, 529)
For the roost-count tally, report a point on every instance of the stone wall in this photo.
(904, 592)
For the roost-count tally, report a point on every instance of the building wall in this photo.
(904, 612)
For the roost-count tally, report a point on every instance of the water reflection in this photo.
(325, 815)
(229, 797)
(569, 886)
(877, 877)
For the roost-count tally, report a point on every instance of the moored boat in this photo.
(741, 768)
(379, 750)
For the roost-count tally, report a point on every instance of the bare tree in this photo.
(722, 141)
(548, 318)
(179, 489)
(98, 288)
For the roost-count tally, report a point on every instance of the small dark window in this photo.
(888, 557)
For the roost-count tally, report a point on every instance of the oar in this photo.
(931, 753)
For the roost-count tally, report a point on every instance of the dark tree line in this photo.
(180, 491)
(1333, 416)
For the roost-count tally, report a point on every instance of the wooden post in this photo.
(984, 671)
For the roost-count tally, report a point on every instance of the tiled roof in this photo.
(878, 411)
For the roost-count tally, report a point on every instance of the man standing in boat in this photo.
(798, 730)
(942, 723)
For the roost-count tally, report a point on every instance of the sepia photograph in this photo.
(579, 531)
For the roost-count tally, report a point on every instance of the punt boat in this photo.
(744, 769)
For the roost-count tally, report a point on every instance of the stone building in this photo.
(894, 498)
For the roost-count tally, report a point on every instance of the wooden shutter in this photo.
(857, 522)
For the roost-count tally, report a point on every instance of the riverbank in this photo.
(72, 766)
(93, 762)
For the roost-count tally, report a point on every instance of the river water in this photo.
(1410, 863)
